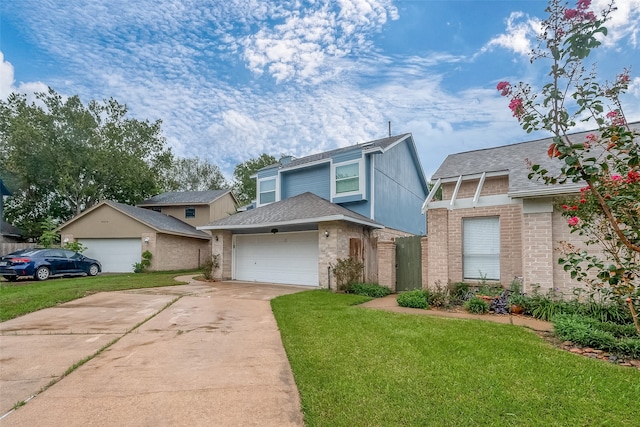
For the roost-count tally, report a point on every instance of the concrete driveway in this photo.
(190, 355)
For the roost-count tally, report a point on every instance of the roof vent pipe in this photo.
(389, 128)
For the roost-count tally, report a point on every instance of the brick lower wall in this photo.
(178, 253)
(387, 264)
(445, 260)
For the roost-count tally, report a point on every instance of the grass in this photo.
(356, 366)
(21, 298)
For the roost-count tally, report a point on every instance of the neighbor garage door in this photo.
(115, 255)
(290, 258)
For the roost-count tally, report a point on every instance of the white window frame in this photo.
(481, 248)
(361, 179)
(260, 192)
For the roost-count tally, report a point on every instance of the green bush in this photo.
(589, 332)
(459, 290)
(347, 271)
(372, 290)
(413, 299)
(438, 296)
(210, 266)
(477, 306)
(141, 267)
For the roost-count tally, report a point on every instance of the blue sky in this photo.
(233, 79)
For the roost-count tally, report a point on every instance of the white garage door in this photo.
(115, 255)
(290, 258)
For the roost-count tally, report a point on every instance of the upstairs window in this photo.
(266, 191)
(190, 212)
(347, 178)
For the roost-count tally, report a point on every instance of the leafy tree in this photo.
(63, 157)
(244, 185)
(607, 162)
(195, 175)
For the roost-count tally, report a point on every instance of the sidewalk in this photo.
(389, 303)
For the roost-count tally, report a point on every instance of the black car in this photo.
(44, 263)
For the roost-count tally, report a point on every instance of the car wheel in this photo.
(11, 278)
(42, 273)
(93, 270)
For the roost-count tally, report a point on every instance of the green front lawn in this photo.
(20, 298)
(360, 367)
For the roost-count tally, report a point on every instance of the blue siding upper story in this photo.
(394, 198)
(399, 190)
(314, 179)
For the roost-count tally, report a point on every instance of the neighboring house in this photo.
(314, 210)
(495, 224)
(118, 234)
(194, 207)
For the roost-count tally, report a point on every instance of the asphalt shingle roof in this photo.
(516, 159)
(382, 143)
(158, 220)
(304, 208)
(184, 197)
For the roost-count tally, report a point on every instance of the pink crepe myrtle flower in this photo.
(616, 177)
(516, 107)
(623, 78)
(573, 221)
(570, 14)
(504, 88)
(583, 4)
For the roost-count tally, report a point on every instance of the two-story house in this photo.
(311, 211)
(165, 225)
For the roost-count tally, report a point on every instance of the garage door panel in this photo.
(290, 258)
(115, 255)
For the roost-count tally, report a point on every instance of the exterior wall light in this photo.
(146, 240)
(326, 233)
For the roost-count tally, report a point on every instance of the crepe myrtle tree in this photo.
(607, 162)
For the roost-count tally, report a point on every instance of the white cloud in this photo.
(7, 82)
(520, 32)
(298, 47)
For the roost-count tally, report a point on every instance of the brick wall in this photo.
(445, 242)
(221, 245)
(336, 245)
(176, 252)
(387, 264)
(537, 239)
(561, 232)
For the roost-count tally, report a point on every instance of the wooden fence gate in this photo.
(408, 263)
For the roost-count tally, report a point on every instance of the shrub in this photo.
(75, 246)
(459, 290)
(372, 290)
(476, 305)
(413, 299)
(140, 267)
(438, 296)
(347, 271)
(588, 332)
(210, 266)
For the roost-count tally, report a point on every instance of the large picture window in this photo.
(347, 178)
(267, 191)
(481, 248)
